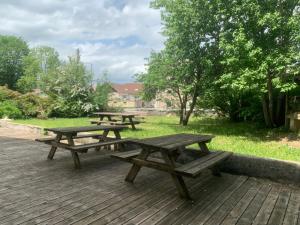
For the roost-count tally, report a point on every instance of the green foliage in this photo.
(9, 109)
(240, 53)
(12, 52)
(7, 94)
(191, 52)
(40, 68)
(33, 105)
(260, 44)
(71, 89)
(101, 93)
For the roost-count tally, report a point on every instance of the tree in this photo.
(260, 43)
(71, 89)
(40, 68)
(12, 52)
(191, 52)
(101, 93)
(28, 82)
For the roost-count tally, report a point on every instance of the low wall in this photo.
(277, 170)
(21, 127)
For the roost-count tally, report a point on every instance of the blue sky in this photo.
(113, 35)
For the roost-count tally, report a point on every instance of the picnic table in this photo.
(172, 148)
(126, 118)
(70, 134)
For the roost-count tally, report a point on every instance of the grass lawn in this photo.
(243, 138)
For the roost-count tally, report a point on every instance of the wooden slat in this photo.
(93, 145)
(278, 213)
(126, 156)
(69, 130)
(266, 209)
(49, 139)
(194, 168)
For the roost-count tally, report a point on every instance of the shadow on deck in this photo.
(36, 191)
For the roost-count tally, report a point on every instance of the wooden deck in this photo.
(36, 191)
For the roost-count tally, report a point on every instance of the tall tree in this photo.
(191, 52)
(260, 42)
(40, 67)
(12, 52)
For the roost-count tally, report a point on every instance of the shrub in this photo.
(9, 109)
(33, 105)
(7, 94)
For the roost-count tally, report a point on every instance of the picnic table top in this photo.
(65, 130)
(113, 114)
(174, 141)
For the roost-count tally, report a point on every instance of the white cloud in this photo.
(113, 35)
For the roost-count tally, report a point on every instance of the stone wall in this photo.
(278, 170)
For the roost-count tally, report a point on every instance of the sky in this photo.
(113, 35)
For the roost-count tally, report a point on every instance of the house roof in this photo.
(128, 88)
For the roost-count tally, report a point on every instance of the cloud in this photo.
(113, 35)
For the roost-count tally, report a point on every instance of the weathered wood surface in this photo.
(36, 191)
(174, 141)
(64, 130)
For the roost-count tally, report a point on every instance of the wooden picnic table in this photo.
(124, 116)
(71, 134)
(171, 148)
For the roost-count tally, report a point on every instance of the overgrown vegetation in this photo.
(239, 57)
(39, 84)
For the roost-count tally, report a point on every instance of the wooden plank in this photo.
(253, 208)
(278, 213)
(93, 145)
(237, 201)
(265, 211)
(293, 209)
(202, 213)
(148, 208)
(64, 130)
(166, 216)
(205, 162)
(126, 154)
(49, 139)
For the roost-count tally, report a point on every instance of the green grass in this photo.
(243, 138)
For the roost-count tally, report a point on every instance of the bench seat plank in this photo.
(49, 139)
(194, 168)
(94, 145)
(126, 156)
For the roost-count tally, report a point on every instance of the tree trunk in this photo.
(270, 100)
(266, 112)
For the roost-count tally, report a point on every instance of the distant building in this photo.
(129, 95)
(126, 95)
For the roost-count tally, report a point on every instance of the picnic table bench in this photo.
(125, 119)
(173, 149)
(70, 134)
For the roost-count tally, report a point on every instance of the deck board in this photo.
(36, 191)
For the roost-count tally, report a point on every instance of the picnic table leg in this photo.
(177, 179)
(203, 147)
(73, 153)
(53, 148)
(136, 168)
(100, 119)
(105, 133)
(76, 159)
(131, 122)
(118, 136)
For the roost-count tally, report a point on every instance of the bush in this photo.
(33, 105)
(7, 94)
(9, 109)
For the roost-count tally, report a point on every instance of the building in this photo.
(126, 95)
(129, 95)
